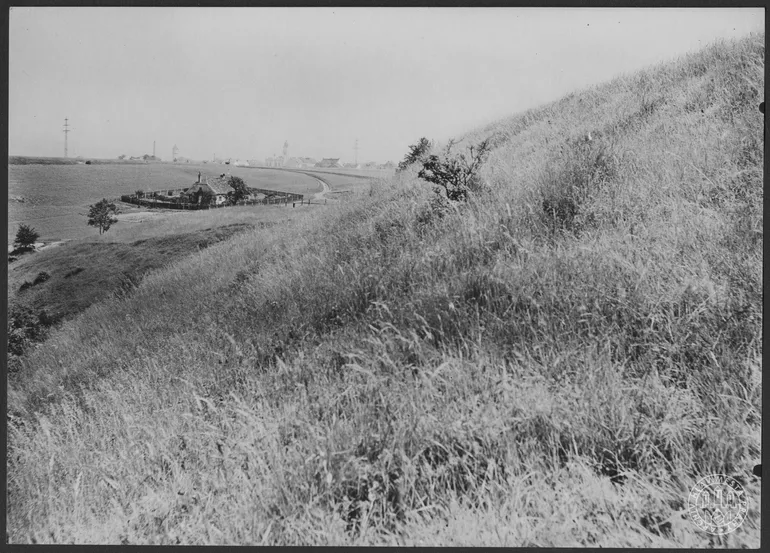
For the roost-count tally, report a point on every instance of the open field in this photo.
(343, 184)
(138, 224)
(366, 173)
(54, 199)
(31, 160)
(556, 362)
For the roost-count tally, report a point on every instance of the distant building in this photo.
(276, 161)
(329, 162)
(301, 162)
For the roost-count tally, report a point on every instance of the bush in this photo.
(456, 173)
(26, 237)
(436, 208)
(42, 276)
(25, 328)
(417, 152)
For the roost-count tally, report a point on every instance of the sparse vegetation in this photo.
(555, 364)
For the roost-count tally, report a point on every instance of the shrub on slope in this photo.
(371, 376)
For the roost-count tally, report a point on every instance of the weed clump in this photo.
(585, 167)
(25, 328)
(41, 277)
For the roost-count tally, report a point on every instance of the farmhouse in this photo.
(216, 190)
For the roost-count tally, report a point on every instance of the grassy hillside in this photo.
(555, 363)
(57, 284)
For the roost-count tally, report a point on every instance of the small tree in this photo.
(417, 152)
(239, 190)
(26, 237)
(102, 215)
(456, 173)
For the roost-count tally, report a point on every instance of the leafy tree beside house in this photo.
(239, 190)
(102, 215)
(26, 237)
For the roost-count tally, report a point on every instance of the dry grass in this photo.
(504, 375)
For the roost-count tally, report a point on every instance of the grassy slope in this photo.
(83, 273)
(486, 378)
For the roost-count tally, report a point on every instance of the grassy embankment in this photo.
(499, 376)
(55, 284)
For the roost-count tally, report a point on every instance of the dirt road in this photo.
(325, 190)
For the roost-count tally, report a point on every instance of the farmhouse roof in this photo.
(219, 185)
(329, 162)
(200, 187)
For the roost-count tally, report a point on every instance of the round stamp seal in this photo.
(717, 504)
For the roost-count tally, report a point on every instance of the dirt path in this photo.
(326, 189)
(40, 246)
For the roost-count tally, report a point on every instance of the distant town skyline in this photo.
(239, 82)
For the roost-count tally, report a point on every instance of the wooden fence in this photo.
(277, 198)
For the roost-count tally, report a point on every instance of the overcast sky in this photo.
(238, 82)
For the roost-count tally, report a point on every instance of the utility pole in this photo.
(153, 148)
(356, 149)
(66, 130)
